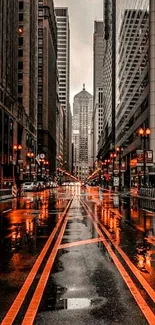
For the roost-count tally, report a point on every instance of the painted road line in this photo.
(80, 242)
(14, 309)
(149, 315)
(36, 299)
(7, 211)
(132, 267)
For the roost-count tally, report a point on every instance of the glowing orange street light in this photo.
(141, 131)
(147, 131)
(17, 147)
(144, 133)
(30, 155)
(113, 155)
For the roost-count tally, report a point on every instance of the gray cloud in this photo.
(82, 14)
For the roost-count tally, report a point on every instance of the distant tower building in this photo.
(82, 116)
(97, 119)
(63, 63)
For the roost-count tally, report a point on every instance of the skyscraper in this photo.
(47, 82)
(63, 63)
(8, 86)
(97, 118)
(82, 116)
(27, 76)
(132, 82)
(107, 138)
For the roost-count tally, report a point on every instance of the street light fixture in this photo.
(30, 155)
(113, 155)
(144, 134)
(120, 151)
(16, 170)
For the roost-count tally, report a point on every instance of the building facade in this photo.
(27, 81)
(8, 88)
(132, 111)
(63, 62)
(18, 79)
(47, 83)
(82, 117)
(60, 135)
(97, 119)
(107, 139)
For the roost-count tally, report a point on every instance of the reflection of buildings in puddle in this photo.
(16, 237)
(29, 226)
(111, 221)
(144, 263)
(143, 256)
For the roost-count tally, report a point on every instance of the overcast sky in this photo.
(82, 14)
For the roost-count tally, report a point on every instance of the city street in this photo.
(76, 255)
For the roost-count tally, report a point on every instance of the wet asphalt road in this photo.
(84, 286)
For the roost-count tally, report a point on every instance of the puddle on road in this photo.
(76, 303)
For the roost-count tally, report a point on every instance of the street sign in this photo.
(20, 161)
(116, 181)
(42, 155)
(38, 159)
(148, 158)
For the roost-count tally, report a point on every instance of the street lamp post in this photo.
(30, 155)
(46, 163)
(144, 134)
(113, 156)
(120, 151)
(17, 149)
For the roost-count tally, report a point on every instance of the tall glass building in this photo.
(132, 81)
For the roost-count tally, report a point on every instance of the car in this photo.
(47, 184)
(53, 184)
(29, 186)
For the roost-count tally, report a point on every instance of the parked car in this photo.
(48, 184)
(29, 186)
(53, 184)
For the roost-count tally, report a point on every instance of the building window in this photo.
(20, 89)
(40, 41)
(20, 52)
(21, 17)
(20, 100)
(40, 13)
(20, 41)
(20, 65)
(20, 76)
(21, 5)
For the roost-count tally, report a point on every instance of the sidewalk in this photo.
(127, 193)
(6, 194)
